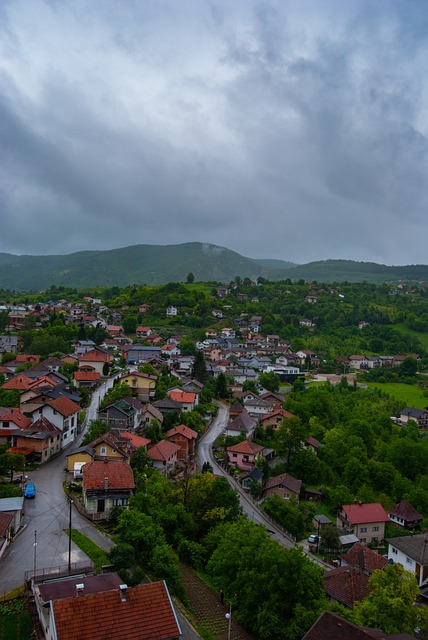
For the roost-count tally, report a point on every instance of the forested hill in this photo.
(155, 264)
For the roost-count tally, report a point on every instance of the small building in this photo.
(405, 515)
(412, 553)
(244, 454)
(164, 456)
(106, 484)
(366, 521)
(284, 486)
(185, 438)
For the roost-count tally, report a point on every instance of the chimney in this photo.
(79, 589)
(105, 483)
(123, 588)
(360, 503)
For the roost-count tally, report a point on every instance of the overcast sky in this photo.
(290, 129)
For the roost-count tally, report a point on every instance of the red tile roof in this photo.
(5, 520)
(80, 376)
(94, 356)
(280, 412)
(145, 614)
(118, 473)
(18, 418)
(362, 513)
(18, 382)
(137, 441)
(346, 585)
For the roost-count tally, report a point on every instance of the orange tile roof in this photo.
(246, 447)
(80, 376)
(18, 382)
(146, 613)
(20, 450)
(182, 396)
(137, 441)
(118, 473)
(94, 356)
(64, 406)
(364, 558)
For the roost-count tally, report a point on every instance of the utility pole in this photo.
(69, 537)
(35, 554)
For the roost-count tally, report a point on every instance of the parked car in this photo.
(29, 490)
(313, 538)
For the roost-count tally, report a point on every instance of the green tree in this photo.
(270, 380)
(390, 603)
(199, 369)
(290, 437)
(122, 556)
(190, 278)
(11, 462)
(221, 390)
(96, 429)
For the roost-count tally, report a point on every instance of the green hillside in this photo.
(154, 264)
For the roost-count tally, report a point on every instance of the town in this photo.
(270, 436)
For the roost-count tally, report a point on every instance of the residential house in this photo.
(164, 456)
(364, 558)
(142, 385)
(99, 360)
(10, 421)
(6, 531)
(358, 362)
(366, 521)
(312, 444)
(40, 441)
(244, 454)
(170, 350)
(420, 416)
(284, 486)
(149, 413)
(143, 332)
(171, 311)
(86, 378)
(167, 405)
(14, 507)
(253, 476)
(243, 424)
(275, 418)
(115, 330)
(331, 626)
(9, 344)
(258, 407)
(186, 439)
(114, 445)
(185, 399)
(136, 354)
(120, 415)
(405, 515)
(84, 346)
(144, 308)
(412, 553)
(89, 607)
(346, 585)
(63, 413)
(106, 484)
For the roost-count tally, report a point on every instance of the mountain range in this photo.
(159, 264)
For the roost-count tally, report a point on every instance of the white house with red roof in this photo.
(164, 456)
(187, 400)
(365, 521)
(63, 413)
(13, 419)
(96, 359)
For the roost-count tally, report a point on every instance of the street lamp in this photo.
(228, 615)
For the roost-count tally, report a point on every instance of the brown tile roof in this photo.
(246, 447)
(136, 441)
(59, 589)
(279, 412)
(18, 382)
(64, 406)
(364, 558)
(42, 425)
(331, 626)
(182, 396)
(94, 356)
(182, 430)
(81, 376)
(5, 520)
(163, 450)
(145, 614)
(286, 481)
(346, 585)
(118, 473)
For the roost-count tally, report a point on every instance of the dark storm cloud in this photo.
(294, 130)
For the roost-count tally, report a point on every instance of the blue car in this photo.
(29, 490)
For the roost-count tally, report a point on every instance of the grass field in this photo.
(406, 394)
(97, 555)
(419, 335)
(16, 623)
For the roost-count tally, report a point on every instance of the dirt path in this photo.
(208, 610)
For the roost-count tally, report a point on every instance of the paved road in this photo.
(46, 519)
(249, 507)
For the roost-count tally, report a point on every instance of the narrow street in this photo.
(46, 519)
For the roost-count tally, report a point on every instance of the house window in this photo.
(286, 496)
(363, 530)
(375, 528)
(363, 540)
(394, 551)
(408, 560)
(234, 455)
(120, 502)
(103, 451)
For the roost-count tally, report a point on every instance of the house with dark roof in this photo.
(142, 385)
(346, 585)
(331, 626)
(412, 553)
(101, 607)
(243, 424)
(420, 416)
(106, 484)
(119, 415)
(41, 440)
(405, 515)
(365, 521)
(284, 486)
